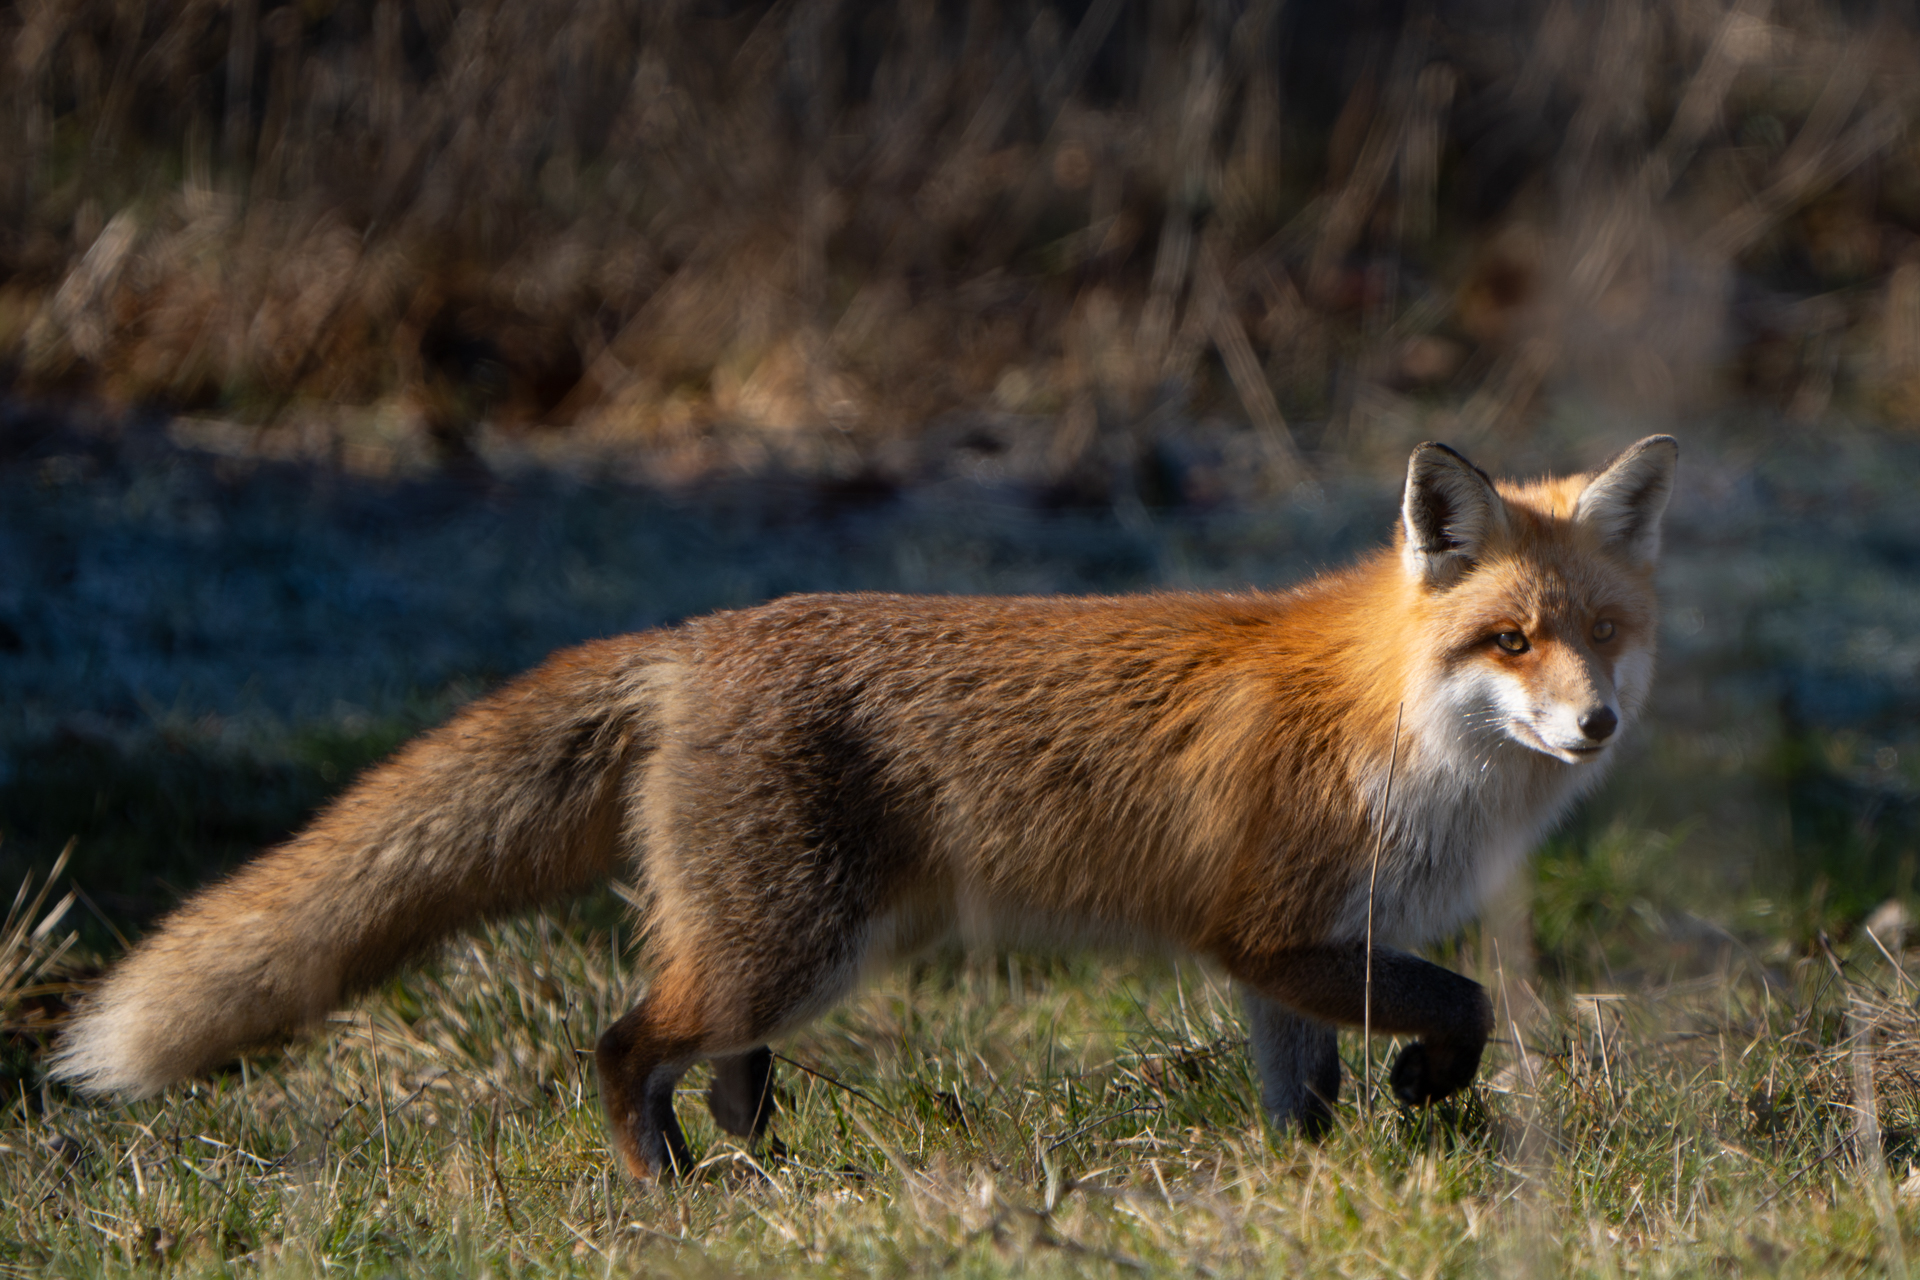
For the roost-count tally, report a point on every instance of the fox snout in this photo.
(1595, 726)
(1561, 700)
(1580, 720)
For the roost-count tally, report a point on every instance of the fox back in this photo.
(821, 785)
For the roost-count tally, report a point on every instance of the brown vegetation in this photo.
(817, 226)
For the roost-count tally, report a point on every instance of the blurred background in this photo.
(355, 353)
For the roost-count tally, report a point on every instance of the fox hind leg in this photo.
(640, 1059)
(638, 1079)
(1299, 1063)
(687, 1016)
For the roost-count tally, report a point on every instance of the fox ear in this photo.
(1624, 503)
(1449, 513)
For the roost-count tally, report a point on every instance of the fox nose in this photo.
(1599, 723)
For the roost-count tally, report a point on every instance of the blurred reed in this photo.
(827, 223)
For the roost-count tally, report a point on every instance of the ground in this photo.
(197, 646)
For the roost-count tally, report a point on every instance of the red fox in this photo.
(814, 787)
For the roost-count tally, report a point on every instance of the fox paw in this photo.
(1422, 1076)
(1314, 1118)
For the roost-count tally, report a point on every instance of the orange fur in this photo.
(818, 785)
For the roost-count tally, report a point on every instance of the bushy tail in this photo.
(519, 799)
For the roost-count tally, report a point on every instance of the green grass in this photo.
(992, 1115)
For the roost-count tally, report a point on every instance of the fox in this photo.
(1299, 786)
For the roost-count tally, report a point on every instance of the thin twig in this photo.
(1871, 1153)
(1506, 998)
(1898, 968)
(493, 1165)
(1094, 1124)
(1373, 881)
(821, 1075)
(1803, 1170)
(583, 1237)
(380, 1092)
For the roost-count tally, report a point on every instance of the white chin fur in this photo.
(1575, 753)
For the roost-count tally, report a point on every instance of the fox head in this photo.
(1537, 599)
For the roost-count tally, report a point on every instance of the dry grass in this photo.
(1003, 1114)
(31, 947)
(380, 228)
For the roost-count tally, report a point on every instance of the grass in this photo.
(1686, 967)
(1701, 1008)
(1006, 1114)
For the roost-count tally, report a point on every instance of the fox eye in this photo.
(1603, 630)
(1512, 642)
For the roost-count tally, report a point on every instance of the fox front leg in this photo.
(1449, 1014)
(1299, 1064)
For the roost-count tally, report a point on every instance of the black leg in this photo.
(741, 1096)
